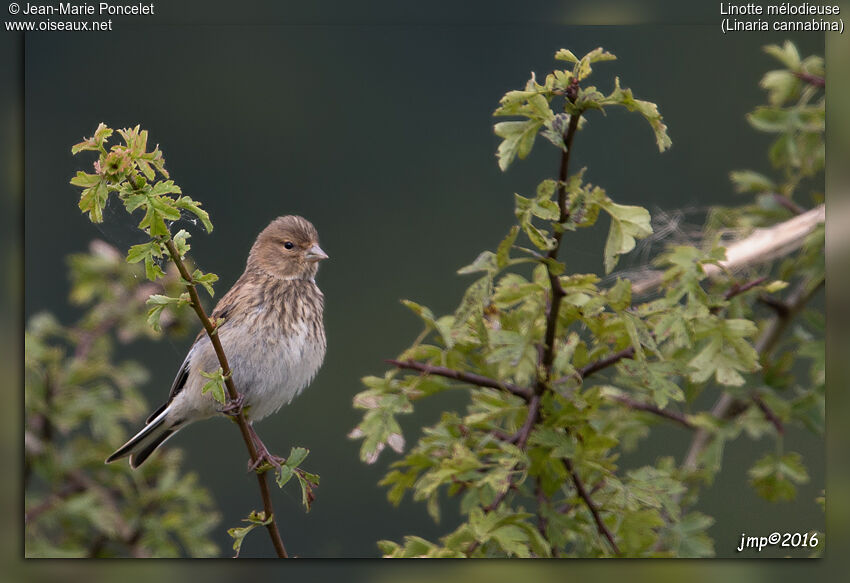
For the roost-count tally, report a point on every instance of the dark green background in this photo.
(382, 136)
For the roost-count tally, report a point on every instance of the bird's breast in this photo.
(275, 360)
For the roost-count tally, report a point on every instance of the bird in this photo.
(272, 331)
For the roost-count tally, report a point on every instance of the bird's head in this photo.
(288, 248)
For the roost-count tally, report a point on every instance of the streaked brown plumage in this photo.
(273, 336)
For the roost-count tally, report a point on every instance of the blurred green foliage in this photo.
(564, 374)
(79, 402)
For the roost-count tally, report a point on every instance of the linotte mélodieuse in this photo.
(783, 9)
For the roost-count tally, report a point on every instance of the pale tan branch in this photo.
(762, 246)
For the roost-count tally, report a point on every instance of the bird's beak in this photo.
(315, 253)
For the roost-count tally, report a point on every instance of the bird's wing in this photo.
(177, 385)
(225, 308)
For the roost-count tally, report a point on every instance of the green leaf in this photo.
(181, 243)
(774, 478)
(157, 209)
(647, 109)
(205, 279)
(238, 533)
(165, 187)
(308, 483)
(473, 302)
(422, 311)
(85, 180)
(538, 237)
(749, 181)
(620, 295)
(781, 87)
(688, 537)
(93, 201)
(725, 351)
(582, 68)
(504, 249)
(566, 55)
(787, 54)
(627, 224)
(517, 140)
(186, 203)
(101, 134)
(486, 262)
(215, 385)
(555, 129)
(289, 468)
(149, 252)
(158, 302)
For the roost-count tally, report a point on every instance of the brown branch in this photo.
(787, 203)
(542, 521)
(649, 408)
(239, 416)
(737, 289)
(490, 508)
(591, 505)
(768, 413)
(777, 305)
(68, 490)
(548, 355)
(811, 79)
(764, 346)
(465, 377)
(532, 418)
(602, 363)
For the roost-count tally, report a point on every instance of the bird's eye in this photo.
(289, 245)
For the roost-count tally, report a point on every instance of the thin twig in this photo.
(768, 413)
(532, 418)
(602, 363)
(233, 394)
(466, 377)
(542, 521)
(788, 204)
(811, 79)
(736, 289)
(629, 352)
(490, 508)
(591, 505)
(650, 408)
(548, 355)
(66, 491)
(764, 346)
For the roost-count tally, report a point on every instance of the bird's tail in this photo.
(155, 432)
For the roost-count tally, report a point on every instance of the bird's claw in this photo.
(233, 407)
(265, 457)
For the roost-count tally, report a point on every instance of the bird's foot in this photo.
(264, 456)
(233, 407)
